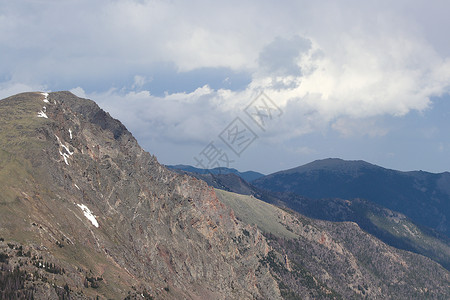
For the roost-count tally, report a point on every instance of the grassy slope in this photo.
(256, 212)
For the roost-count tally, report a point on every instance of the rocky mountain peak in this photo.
(90, 188)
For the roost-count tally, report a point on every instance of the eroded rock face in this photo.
(94, 185)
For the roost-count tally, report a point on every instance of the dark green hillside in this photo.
(421, 196)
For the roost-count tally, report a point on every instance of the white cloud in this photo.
(387, 76)
(180, 117)
(325, 64)
(369, 78)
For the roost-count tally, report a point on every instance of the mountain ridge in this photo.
(422, 196)
(392, 227)
(77, 163)
(333, 162)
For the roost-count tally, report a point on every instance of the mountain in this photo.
(423, 197)
(248, 176)
(391, 227)
(85, 212)
(315, 259)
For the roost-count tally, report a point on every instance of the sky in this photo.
(252, 85)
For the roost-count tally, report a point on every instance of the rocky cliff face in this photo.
(80, 193)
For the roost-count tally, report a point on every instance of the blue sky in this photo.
(351, 79)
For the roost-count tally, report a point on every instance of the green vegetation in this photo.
(256, 212)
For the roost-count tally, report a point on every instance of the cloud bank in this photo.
(328, 65)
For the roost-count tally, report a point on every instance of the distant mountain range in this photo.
(424, 197)
(310, 194)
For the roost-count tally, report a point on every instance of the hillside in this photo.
(85, 212)
(393, 228)
(421, 196)
(321, 259)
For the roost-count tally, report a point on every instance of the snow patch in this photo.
(77, 187)
(66, 153)
(88, 214)
(42, 114)
(65, 156)
(46, 97)
(70, 133)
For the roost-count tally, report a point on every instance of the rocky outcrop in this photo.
(315, 259)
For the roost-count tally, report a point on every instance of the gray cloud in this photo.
(178, 72)
(279, 58)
